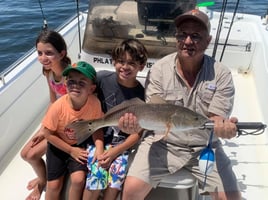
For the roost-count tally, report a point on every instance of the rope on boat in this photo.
(244, 132)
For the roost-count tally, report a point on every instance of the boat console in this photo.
(151, 21)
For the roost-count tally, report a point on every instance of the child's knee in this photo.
(23, 154)
(78, 180)
(33, 155)
(54, 186)
(30, 156)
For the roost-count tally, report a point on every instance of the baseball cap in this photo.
(82, 67)
(196, 15)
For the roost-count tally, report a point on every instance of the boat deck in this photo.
(248, 154)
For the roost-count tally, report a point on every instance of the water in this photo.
(255, 7)
(21, 21)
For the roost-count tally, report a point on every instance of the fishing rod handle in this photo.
(241, 125)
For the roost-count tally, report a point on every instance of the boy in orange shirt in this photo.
(63, 155)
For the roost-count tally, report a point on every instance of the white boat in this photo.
(24, 95)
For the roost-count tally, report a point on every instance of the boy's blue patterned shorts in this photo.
(99, 178)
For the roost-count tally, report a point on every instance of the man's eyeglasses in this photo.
(195, 37)
(71, 83)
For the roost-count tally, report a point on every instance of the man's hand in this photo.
(225, 128)
(128, 123)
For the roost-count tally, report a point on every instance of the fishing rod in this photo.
(257, 127)
(224, 3)
(78, 24)
(229, 31)
(45, 26)
(211, 3)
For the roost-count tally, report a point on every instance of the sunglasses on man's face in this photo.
(182, 36)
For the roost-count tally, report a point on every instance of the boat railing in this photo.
(13, 66)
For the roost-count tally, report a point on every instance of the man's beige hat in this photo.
(196, 15)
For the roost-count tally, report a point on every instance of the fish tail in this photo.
(92, 126)
(82, 129)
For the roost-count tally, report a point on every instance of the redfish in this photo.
(160, 117)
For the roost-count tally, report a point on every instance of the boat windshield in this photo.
(151, 21)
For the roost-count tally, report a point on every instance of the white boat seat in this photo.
(180, 185)
(181, 179)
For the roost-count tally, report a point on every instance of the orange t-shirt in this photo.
(61, 114)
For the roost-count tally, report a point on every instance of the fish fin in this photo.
(167, 131)
(81, 130)
(124, 104)
(158, 137)
(156, 99)
(164, 136)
